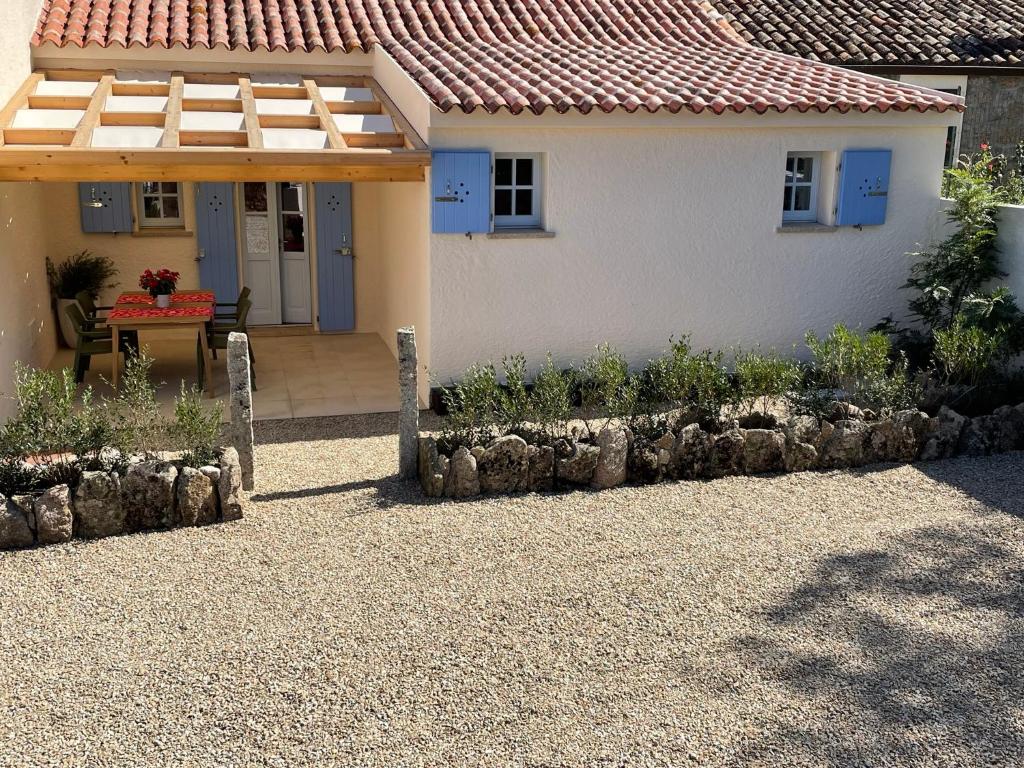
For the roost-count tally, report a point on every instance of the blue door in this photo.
(334, 255)
(215, 230)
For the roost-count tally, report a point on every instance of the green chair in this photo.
(93, 318)
(217, 338)
(91, 341)
(232, 314)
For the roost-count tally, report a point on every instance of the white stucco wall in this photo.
(664, 230)
(26, 320)
(1011, 248)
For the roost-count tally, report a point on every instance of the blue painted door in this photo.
(215, 230)
(334, 257)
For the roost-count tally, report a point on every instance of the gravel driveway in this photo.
(848, 618)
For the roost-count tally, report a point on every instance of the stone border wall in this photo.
(510, 465)
(151, 494)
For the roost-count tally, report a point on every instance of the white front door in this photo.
(262, 255)
(296, 295)
(276, 249)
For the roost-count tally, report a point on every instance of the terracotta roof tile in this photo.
(866, 32)
(517, 55)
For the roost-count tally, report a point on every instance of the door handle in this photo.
(202, 254)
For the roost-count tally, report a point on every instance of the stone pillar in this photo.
(409, 413)
(240, 394)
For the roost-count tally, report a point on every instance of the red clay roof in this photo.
(512, 54)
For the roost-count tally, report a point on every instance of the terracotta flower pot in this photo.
(67, 329)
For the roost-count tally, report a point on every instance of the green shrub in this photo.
(138, 427)
(472, 406)
(964, 353)
(698, 383)
(513, 409)
(601, 379)
(51, 428)
(551, 402)
(196, 429)
(82, 272)
(857, 367)
(764, 378)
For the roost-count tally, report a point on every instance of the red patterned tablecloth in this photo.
(127, 313)
(182, 297)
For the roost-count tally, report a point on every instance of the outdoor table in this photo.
(136, 310)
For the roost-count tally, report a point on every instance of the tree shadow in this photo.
(906, 654)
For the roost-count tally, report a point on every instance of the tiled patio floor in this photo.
(296, 376)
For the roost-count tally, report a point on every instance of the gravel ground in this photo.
(848, 618)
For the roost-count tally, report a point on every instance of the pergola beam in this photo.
(83, 134)
(173, 122)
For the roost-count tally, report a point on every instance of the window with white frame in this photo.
(800, 199)
(160, 204)
(517, 189)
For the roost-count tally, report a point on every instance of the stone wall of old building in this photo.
(995, 113)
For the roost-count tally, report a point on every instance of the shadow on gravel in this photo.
(909, 654)
(390, 492)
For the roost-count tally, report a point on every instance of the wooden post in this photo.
(409, 413)
(240, 396)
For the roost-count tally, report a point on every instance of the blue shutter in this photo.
(336, 306)
(215, 232)
(863, 187)
(460, 185)
(115, 215)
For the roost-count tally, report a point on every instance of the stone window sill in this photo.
(805, 226)
(513, 234)
(162, 232)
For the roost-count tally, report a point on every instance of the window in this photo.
(160, 204)
(516, 191)
(800, 198)
(952, 148)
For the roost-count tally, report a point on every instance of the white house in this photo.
(506, 177)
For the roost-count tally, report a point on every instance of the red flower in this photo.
(984, 146)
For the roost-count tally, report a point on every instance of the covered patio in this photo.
(297, 375)
(241, 157)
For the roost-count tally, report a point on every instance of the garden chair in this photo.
(231, 315)
(93, 318)
(217, 336)
(92, 341)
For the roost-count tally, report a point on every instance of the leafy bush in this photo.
(472, 406)
(50, 430)
(857, 368)
(762, 378)
(195, 430)
(513, 409)
(698, 383)
(601, 379)
(965, 353)
(551, 402)
(137, 426)
(83, 271)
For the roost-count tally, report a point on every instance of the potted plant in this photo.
(84, 271)
(160, 284)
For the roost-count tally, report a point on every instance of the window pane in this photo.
(150, 187)
(169, 187)
(950, 159)
(503, 202)
(524, 172)
(291, 226)
(787, 198)
(503, 172)
(789, 168)
(151, 205)
(802, 198)
(255, 196)
(524, 202)
(289, 197)
(171, 207)
(804, 167)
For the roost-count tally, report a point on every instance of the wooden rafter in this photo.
(83, 135)
(334, 137)
(19, 100)
(252, 122)
(173, 122)
(412, 138)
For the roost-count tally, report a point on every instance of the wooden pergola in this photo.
(88, 125)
